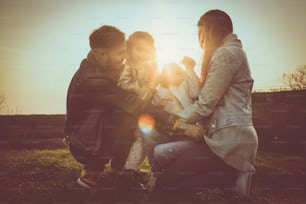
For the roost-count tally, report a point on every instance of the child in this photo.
(177, 88)
(139, 76)
(140, 70)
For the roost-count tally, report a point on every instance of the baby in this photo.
(177, 87)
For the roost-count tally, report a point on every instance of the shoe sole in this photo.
(83, 184)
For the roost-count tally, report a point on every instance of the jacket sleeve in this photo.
(223, 66)
(98, 91)
(129, 82)
(102, 92)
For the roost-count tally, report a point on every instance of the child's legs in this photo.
(121, 148)
(136, 155)
(92, 164)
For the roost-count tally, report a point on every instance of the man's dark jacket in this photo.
(98, 109)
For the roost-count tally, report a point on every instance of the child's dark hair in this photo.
(106, 37)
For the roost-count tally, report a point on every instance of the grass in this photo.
(48, 176)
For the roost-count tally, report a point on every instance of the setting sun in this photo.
(166, 53)
(171, 48)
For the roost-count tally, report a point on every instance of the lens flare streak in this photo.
(146, 123)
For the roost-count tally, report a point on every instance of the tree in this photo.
(2, 101)
(297, 79)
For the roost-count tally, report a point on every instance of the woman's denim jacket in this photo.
(225, 98)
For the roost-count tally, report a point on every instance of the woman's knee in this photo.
(160, 155)
(168, 152)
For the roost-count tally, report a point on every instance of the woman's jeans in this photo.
(182, 163)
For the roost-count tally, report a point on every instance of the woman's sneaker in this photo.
(87, 181)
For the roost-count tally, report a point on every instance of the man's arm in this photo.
(101, 91)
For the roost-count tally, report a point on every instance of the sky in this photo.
(43, 42)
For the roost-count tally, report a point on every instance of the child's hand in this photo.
(165, 100)
(188, 62)
(152, 84)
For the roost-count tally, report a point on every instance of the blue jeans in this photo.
(179, 162)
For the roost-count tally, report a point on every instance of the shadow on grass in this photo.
(48, 176)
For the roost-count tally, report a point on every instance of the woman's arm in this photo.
(223, 67)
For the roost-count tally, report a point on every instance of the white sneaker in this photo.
(86, 183)
(243, 184)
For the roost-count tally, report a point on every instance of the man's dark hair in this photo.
(106, 37)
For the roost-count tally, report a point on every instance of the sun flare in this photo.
(170, 49)
(146, 123)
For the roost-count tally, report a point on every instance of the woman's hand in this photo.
(195, 131)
